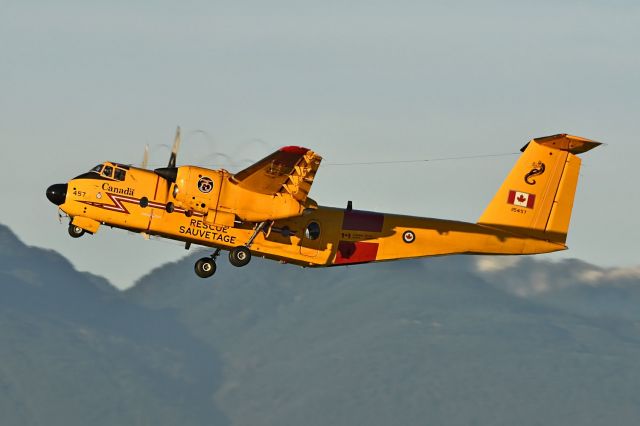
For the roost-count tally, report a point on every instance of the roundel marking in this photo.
(205, 184)
(408, 237)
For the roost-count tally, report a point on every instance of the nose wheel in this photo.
(75, 231)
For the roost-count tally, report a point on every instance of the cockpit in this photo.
(111, 171)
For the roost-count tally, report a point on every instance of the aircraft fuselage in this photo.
(264, 210)
(326, 236)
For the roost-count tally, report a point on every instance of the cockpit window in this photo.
(96, 168)
(119, 174)
(108, 171)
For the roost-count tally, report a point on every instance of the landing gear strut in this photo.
(206, 266)
(238, 256)
(241, 255)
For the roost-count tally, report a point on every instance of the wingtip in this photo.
(300, 150)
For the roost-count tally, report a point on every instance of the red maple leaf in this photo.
(521, 198)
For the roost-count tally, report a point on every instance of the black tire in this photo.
(239, 256)
(75, 231)
(170, 207)
(205, 267)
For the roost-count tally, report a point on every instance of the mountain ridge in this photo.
(382, 319)
(452, 340)
(75, 351)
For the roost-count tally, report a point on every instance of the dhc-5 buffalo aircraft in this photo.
(264, 210)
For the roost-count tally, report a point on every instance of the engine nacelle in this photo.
(198, 189)
(214, 194)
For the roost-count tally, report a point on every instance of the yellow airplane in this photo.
(264, 210)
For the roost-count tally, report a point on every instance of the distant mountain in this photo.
(570, 285)
(433, 341)
(441, 341)
(74, 351)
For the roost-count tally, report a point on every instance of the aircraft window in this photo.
(108, 171)
(120, 174)
(312, 231)
(97, 168)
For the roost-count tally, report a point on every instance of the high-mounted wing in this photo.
(290, 170)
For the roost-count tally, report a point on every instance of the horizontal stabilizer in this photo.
(565, 142)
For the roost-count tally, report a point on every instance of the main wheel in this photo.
(205, 267)
(239, 256)
(75, 231)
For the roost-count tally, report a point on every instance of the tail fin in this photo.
(537, 197)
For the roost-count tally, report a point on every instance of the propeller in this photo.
(174, 150)
(171, 171)
(145, 157)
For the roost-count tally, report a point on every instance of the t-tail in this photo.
(536, 199)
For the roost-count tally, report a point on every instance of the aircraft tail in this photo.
(537, 197)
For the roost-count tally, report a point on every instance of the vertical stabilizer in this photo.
(536, 199)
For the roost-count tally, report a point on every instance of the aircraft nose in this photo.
(57, 193)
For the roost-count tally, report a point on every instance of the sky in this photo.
(82, 83)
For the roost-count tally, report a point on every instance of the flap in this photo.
(290, 169)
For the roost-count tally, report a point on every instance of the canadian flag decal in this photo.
(521, 199)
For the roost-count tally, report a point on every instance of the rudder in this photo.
(537, 196)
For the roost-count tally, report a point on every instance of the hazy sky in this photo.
(355, 81)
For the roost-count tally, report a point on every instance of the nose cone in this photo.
(57, 193)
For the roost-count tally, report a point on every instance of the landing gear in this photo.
(239, 256)
(75, 231)
(206, 266)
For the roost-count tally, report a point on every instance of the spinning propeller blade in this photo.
(174, 150)
(145, 157)
(170, 172)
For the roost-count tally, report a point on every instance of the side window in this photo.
(312, 231)
(108, 171)
(120, 174)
